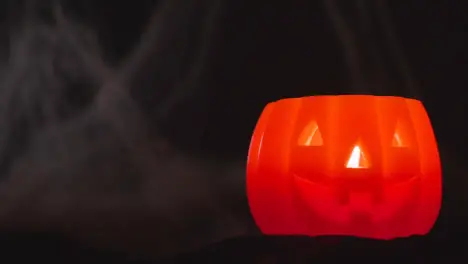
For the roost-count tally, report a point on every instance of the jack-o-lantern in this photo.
(357, 165)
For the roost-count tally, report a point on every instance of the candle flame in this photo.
(356, 159)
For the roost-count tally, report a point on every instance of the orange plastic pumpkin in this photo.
(357, 165)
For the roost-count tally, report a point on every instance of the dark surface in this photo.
(20, 247)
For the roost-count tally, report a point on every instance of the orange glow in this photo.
(311, 135)
(357, 159)
(397, 139)
(344, 165)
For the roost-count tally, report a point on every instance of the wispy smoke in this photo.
(80, 145)
(371, 48)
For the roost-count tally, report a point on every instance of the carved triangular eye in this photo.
(397, 140)
(310, 135)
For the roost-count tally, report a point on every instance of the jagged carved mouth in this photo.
(341, 205)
